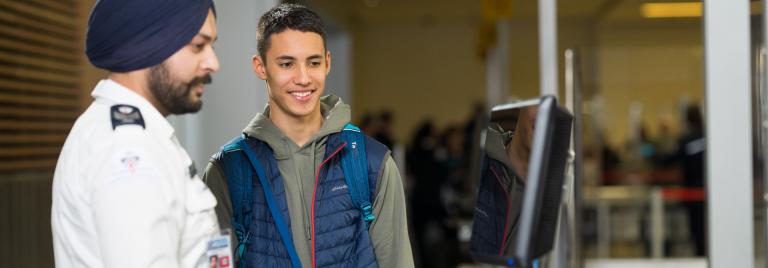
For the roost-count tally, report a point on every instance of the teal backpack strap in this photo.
(282, 228)
(355, 166)
(240, 186)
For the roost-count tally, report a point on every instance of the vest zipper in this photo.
(314, 196)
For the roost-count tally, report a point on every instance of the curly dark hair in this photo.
(287, 16)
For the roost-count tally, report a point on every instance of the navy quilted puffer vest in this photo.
(339, 235)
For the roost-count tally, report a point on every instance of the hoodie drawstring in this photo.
(314, 164)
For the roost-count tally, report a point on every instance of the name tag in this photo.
(219, 250)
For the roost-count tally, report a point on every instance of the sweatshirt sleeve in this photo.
(214, 178)
(389, 231)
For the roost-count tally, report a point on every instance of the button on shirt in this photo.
(127, 195)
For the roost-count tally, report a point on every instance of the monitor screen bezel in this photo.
(524, 239)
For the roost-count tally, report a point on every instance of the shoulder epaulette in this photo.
(123, 114)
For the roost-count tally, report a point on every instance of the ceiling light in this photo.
(671, 10)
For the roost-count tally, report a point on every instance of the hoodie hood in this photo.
(335, 114)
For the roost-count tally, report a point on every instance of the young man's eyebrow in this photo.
(285, 57)
(316, 56)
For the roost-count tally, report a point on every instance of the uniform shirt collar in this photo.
(114, 92)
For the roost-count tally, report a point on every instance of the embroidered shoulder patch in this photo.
(123, 114)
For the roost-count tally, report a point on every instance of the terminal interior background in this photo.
(418, 74)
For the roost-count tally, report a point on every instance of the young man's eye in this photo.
(285, 64)
(315, 63)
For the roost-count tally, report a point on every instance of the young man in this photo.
(302, 215)
(125, 193)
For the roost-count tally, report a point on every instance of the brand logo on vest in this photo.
(338, 187)
(482, 212)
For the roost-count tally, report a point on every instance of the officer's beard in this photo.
(175, 96)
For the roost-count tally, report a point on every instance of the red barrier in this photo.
(683, 194)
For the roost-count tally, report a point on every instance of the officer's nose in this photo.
(211, 62)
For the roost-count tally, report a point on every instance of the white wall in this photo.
(339, 81)
(417, 69)
(236, 94)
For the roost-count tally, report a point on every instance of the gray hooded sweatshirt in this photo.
(297, 164)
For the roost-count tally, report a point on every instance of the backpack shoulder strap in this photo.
(240, 185)
(354, 162)
(282, 227)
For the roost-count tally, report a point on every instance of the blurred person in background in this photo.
(473, 126)
(384, 131)
(125, 193)
(691, 154)
(451, 158)
(428, 211)
(365, 123)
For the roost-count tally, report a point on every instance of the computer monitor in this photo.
(520, 182)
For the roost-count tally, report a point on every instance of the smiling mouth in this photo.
(303, 95)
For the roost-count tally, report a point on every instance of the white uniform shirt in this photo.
(128, 196)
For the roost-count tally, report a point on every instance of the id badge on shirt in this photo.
(219, 250)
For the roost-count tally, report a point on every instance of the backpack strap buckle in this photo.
(368, 215)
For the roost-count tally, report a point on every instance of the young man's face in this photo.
(177, 83)
(295, 67)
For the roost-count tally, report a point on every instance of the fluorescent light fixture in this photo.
(671, 10)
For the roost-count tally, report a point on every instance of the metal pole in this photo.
(603, 229)
(570, 87)
(548, 47)
(571, 247)
(574, 103)
(728, 133)
(563, 243)
(657, 224)
(762, 96)
(497, 66)
(762, 115)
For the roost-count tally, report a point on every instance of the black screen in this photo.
(519, 185)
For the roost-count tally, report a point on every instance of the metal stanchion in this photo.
(657, 223)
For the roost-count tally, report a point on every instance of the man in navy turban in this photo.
(125, 37)
(125, 193)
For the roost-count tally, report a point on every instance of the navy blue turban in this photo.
(127, 35)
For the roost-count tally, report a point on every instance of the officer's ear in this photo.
(259, 67)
